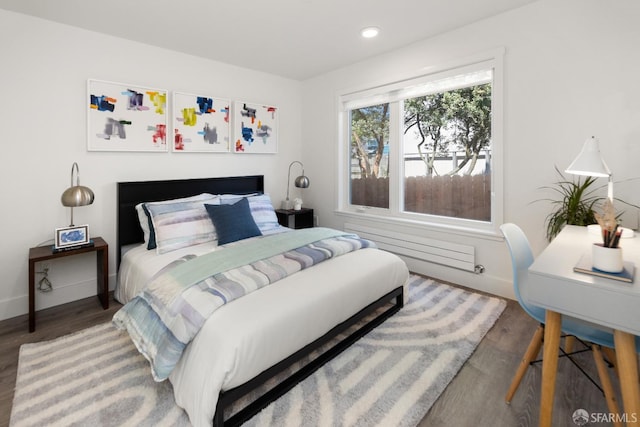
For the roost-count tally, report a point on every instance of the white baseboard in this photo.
(61, 294)
(483, 282)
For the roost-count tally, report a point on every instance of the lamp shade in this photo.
(302, 181)
(78, 195)
(589, 162)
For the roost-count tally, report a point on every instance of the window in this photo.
(426, 149)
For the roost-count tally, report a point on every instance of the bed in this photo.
(250, 341)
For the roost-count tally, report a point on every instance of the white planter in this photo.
(607, 259)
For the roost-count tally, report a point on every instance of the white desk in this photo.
(554, 286)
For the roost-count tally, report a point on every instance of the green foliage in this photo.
(458, 119)
(369, 124)
(574, 206)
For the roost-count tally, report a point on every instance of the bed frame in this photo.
(129, 232)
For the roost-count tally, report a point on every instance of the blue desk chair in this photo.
(521, 259)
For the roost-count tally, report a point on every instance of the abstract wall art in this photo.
(255, 128)
(200, 123)
(123, 117)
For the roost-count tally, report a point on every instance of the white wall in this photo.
(43, 77)
(571, 71)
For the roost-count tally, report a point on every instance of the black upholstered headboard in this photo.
(131, 193)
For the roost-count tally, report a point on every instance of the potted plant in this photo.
(574, 206)
(576, 203)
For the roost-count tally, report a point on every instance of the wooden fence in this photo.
(456, 196)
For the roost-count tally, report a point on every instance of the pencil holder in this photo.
(607, 259)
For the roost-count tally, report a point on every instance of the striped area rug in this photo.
(391, 377)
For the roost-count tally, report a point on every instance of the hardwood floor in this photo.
(475, 397)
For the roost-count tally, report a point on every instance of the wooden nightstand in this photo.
(43, 253)
(302, 218)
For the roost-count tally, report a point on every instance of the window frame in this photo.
(390, 92)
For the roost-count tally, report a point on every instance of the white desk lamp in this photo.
(590, 163)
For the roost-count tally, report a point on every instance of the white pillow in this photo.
(177, 223)
(230, 199)
(263, 213)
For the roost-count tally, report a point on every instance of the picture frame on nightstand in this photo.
(71, 237)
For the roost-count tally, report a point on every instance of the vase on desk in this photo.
(607, 259)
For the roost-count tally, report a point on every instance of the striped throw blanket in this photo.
(168, 314)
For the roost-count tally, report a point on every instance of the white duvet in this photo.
(248, 335)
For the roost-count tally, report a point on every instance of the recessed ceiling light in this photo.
(369, 32)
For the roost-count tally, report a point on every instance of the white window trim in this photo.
(381, 93)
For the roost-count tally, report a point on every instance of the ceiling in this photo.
(297, 39)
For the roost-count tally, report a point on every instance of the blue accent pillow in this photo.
(261, 210)
(233, 222)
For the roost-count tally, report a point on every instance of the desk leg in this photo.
(628, 367)
(552, 329)
(32, 296)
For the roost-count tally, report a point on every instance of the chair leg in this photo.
(569, 342)
(611, 358)
(605, 380)
(529, 356)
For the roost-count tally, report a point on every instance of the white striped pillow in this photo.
(181, 223)
(263, 213)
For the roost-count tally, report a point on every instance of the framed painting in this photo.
(200, 123)
(123, 117)
(255, 128)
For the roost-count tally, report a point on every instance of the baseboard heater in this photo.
(436, 251)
